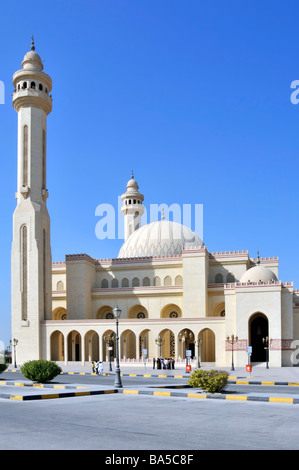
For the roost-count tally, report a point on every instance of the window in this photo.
(33, 85)
(104, 284)
(141, 315)
(135, 282)
(230, 278)
(40, 87)
(173, 315)
(178, 281)
(146, 281)
(125, 282)
(60, 285)
(114, 283)
(219, 278)
(157, 281)
(167, 281)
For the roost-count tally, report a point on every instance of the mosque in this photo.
(176, 297)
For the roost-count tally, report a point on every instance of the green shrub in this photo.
(40, 371)
(212, 381)
(3, 367)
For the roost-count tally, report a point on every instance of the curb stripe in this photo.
(236, 397)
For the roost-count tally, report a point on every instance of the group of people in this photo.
(166, 363)
(97, 367)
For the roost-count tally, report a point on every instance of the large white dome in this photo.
(162, 238)
(258, 273)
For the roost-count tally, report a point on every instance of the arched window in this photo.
(60, 285)
(125, 282)
(104, 283)
(230, 278)
(40, 86)
(114, 283)
(135, 282)
(178, 281)
(157, 281)
(167, 281)
(24, 85)
(33, 85)
(146, 281)
(219, 278)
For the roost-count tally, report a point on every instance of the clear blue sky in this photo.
(193, 95)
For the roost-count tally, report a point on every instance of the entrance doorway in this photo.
(258, 329)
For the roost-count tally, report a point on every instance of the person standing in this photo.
(100, 368)
(154, 362)
(93, 366)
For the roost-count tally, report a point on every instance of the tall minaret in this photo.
(132, 207)
(31, 261)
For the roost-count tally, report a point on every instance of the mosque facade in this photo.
(176, 297)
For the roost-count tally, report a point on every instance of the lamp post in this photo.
(232, 340)
(198, 343)
(13, 343)
(159, 341)
(117, 382)
(109, 341)
(267, 342)
(187, 337)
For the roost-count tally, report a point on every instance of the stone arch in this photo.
(105, 312)
(146, 281)
(258, 328)
(219, 310)
(207, 346)
(137, 311)
(128, 344)
(171, 311)
(165, 344)
(144, 342)
(178, 281)
(219, 278)
(60, 285)
(74, 346)
(108, 340)
(186, 342)
(230, 278)
(135, 282)
(59, 313)
(91, 346)
(57, 346)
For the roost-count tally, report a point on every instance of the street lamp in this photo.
(159, 341)
(198, 343)
(232, 340)
(117, 383)
(187, 338)
(13, 343)
(109, 341)
(267, 342)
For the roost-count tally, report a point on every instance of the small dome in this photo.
(32, 61)
(258, 273)
(161, 238)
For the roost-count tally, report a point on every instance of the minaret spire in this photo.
(32, 43)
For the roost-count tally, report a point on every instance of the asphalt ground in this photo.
(16, 387)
